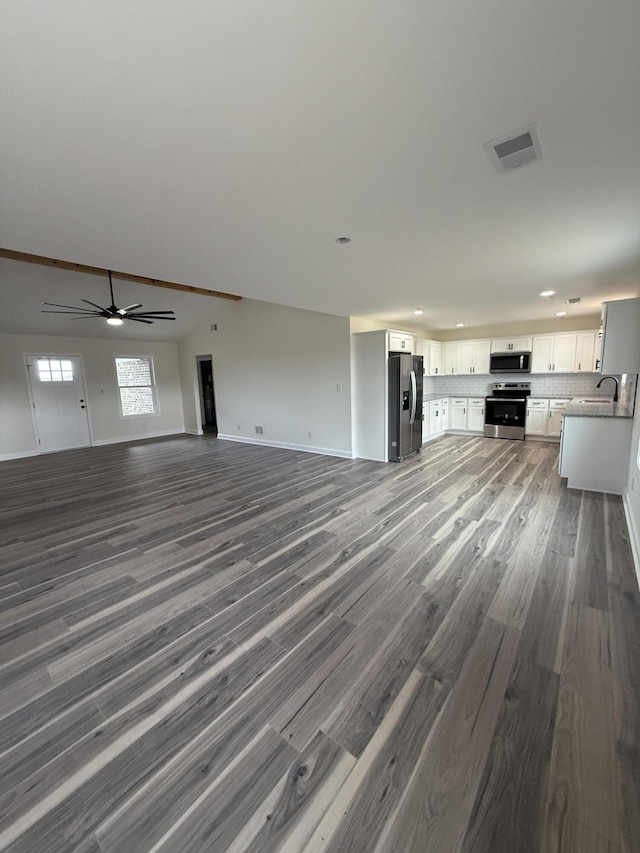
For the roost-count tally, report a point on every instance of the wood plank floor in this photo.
(210, 646)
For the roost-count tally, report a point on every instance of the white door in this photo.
(59, 401)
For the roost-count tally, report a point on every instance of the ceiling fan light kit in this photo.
(114, 316)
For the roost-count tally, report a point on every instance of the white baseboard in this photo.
(634, 536)
(194, 432)
(305, 448)
(6, 457)
(122, 439)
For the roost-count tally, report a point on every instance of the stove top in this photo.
(510, 389)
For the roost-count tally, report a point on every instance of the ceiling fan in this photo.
(114, 316)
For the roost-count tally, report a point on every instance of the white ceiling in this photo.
(227, 144)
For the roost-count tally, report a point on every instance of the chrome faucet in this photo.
(615, 396)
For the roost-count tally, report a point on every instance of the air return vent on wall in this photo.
(516, 150)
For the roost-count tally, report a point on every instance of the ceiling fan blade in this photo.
(151, 313)
(139, 320)
(94, 304)
(75, 307)
(147, 317)
(130, 308)
(89, 314)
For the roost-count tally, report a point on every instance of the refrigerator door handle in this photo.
(414, 397)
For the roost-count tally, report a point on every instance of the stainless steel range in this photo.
(505, 412)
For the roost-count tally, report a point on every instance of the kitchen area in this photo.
(576, 389)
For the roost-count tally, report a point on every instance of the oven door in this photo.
(505, 417)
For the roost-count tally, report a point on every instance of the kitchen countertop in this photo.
(575, 408)
(429, 397)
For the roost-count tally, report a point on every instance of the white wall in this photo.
(17, 436)
(275, 367)
(632, 493)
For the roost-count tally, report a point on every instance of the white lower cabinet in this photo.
(594, 453)
(475, 414)
(457, 412)
(544, 417)
(433, 424)
(554, 424)
(466, 413)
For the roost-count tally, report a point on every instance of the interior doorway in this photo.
(59, 402)
(208, 417)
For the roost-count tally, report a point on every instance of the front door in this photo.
(60, 403)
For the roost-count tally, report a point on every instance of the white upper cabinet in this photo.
(400, 342)
(435, 358)
(431, 352)
(587, 352)
(554, 353)
(512, 345)
(466, 357)
(621, 337)
(463, 357)
(481, 356)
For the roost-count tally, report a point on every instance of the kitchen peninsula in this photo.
(594, 450)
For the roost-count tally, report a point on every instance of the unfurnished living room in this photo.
(319, 439)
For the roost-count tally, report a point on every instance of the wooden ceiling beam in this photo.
(138, 279)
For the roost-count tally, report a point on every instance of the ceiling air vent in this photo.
(574, 299)
(518, 149)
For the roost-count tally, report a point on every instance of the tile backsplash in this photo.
(542, 385)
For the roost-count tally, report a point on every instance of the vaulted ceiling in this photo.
(228, 144)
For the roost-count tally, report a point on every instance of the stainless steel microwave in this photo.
(510, 362)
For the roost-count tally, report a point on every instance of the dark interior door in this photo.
(208, 396)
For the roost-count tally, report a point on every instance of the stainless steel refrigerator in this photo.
(405, 405)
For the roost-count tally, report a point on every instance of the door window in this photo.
(55, 370)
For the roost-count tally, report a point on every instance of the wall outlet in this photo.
(214, 327)
(309, 434)
(338, 387)
(259, 430)
(238, 425)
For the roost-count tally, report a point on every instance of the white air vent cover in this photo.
(574, 299)
(516, 150)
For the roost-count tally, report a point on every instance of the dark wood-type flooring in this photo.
(209, 646)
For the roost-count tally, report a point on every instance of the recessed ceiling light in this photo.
(561, 313)
(343, 240)
(459, 325)
(418, 312)
(547, 294)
